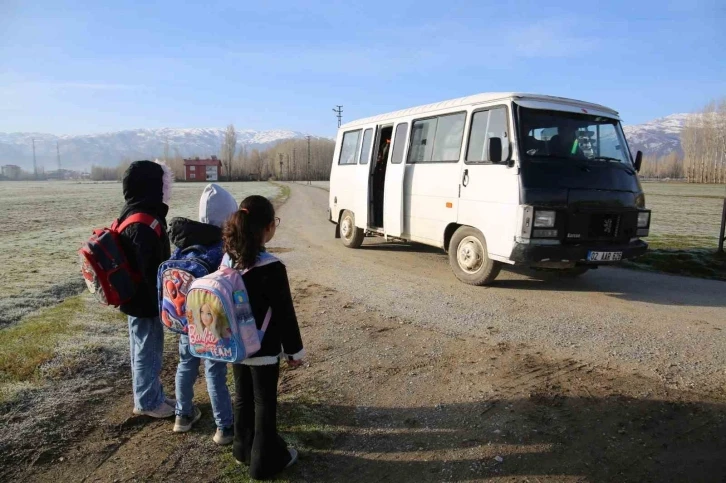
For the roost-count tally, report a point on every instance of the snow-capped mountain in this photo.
(108, 149)
(658, 137)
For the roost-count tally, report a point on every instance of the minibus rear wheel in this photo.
(469, 258)
(352, 236)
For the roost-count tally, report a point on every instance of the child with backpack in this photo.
(147, 190)
(256, 441)
(198, 253)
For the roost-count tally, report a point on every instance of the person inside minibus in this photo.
(565, 143)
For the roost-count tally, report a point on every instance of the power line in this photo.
(339, 114)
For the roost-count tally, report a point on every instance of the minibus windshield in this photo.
(569, 136)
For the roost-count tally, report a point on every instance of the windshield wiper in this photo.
(606, 158)
(627, 167)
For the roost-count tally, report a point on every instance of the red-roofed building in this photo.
(202, 169)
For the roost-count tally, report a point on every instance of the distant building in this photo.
(11, 171)
(202, 169)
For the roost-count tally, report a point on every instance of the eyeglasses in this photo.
(277, 221)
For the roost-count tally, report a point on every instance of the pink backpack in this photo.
(220, 323)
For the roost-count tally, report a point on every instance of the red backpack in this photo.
(105, 266)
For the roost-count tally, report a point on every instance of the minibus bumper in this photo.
(532, 252)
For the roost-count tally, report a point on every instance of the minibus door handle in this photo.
(465, 178)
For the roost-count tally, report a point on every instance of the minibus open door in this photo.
(393, 194)
(363, 183)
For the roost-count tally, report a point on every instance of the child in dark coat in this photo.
(256, 441)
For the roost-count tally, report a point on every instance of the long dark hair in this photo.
(243, 233)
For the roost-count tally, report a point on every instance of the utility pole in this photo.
(339, 114)
(35, 164)
(294, 171)
(309, 180)
(280, 166)
(288, 166)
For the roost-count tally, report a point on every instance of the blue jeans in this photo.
(216, 375)
(146, 337)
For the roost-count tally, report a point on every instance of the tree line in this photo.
(704, 145)
(242, 164)
(703, 141)
(293, 159)
(669, 166)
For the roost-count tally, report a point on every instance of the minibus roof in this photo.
(527, 100)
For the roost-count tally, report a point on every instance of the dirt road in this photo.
(413, 376)
(659, 325)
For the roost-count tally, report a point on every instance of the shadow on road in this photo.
(624, 284)
(601, 439)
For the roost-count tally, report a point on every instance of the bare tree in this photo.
(229, 146)
(704, 145)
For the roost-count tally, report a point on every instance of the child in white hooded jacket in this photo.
(215, 206)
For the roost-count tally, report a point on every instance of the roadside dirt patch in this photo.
(383, 400)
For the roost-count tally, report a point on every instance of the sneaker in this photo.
(163, 411)
(185, 423)
(224, 436)
(293, 454)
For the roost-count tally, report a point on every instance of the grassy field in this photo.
(684, 230)
(684, 215)
(42, 225)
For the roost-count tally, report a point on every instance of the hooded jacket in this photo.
(215, 206)
(147, 188)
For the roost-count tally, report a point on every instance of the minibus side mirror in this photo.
(494, 150)
(638, 161)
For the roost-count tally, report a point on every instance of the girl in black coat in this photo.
(256, 441)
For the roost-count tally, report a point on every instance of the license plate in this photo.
(604, 256)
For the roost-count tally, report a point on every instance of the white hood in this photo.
(216, 205)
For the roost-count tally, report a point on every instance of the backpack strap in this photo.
(142, 218)
(264, 259)
(268, 316)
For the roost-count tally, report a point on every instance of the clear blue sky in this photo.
(90, 66)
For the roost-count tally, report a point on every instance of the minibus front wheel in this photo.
(469, 258)
(352, 235)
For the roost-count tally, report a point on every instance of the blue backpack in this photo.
(176, 275)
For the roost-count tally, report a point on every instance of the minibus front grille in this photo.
(599, 226)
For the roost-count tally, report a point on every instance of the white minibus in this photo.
(496, 178)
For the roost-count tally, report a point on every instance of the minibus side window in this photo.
(350, 147)
(365, 150)
(422, 141)
(437, 139)
(449, 134)
(399, 143)
(485, 125)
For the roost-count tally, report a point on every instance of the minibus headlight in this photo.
(643, 219)
(544, 219)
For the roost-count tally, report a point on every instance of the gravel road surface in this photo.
(663, 326)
